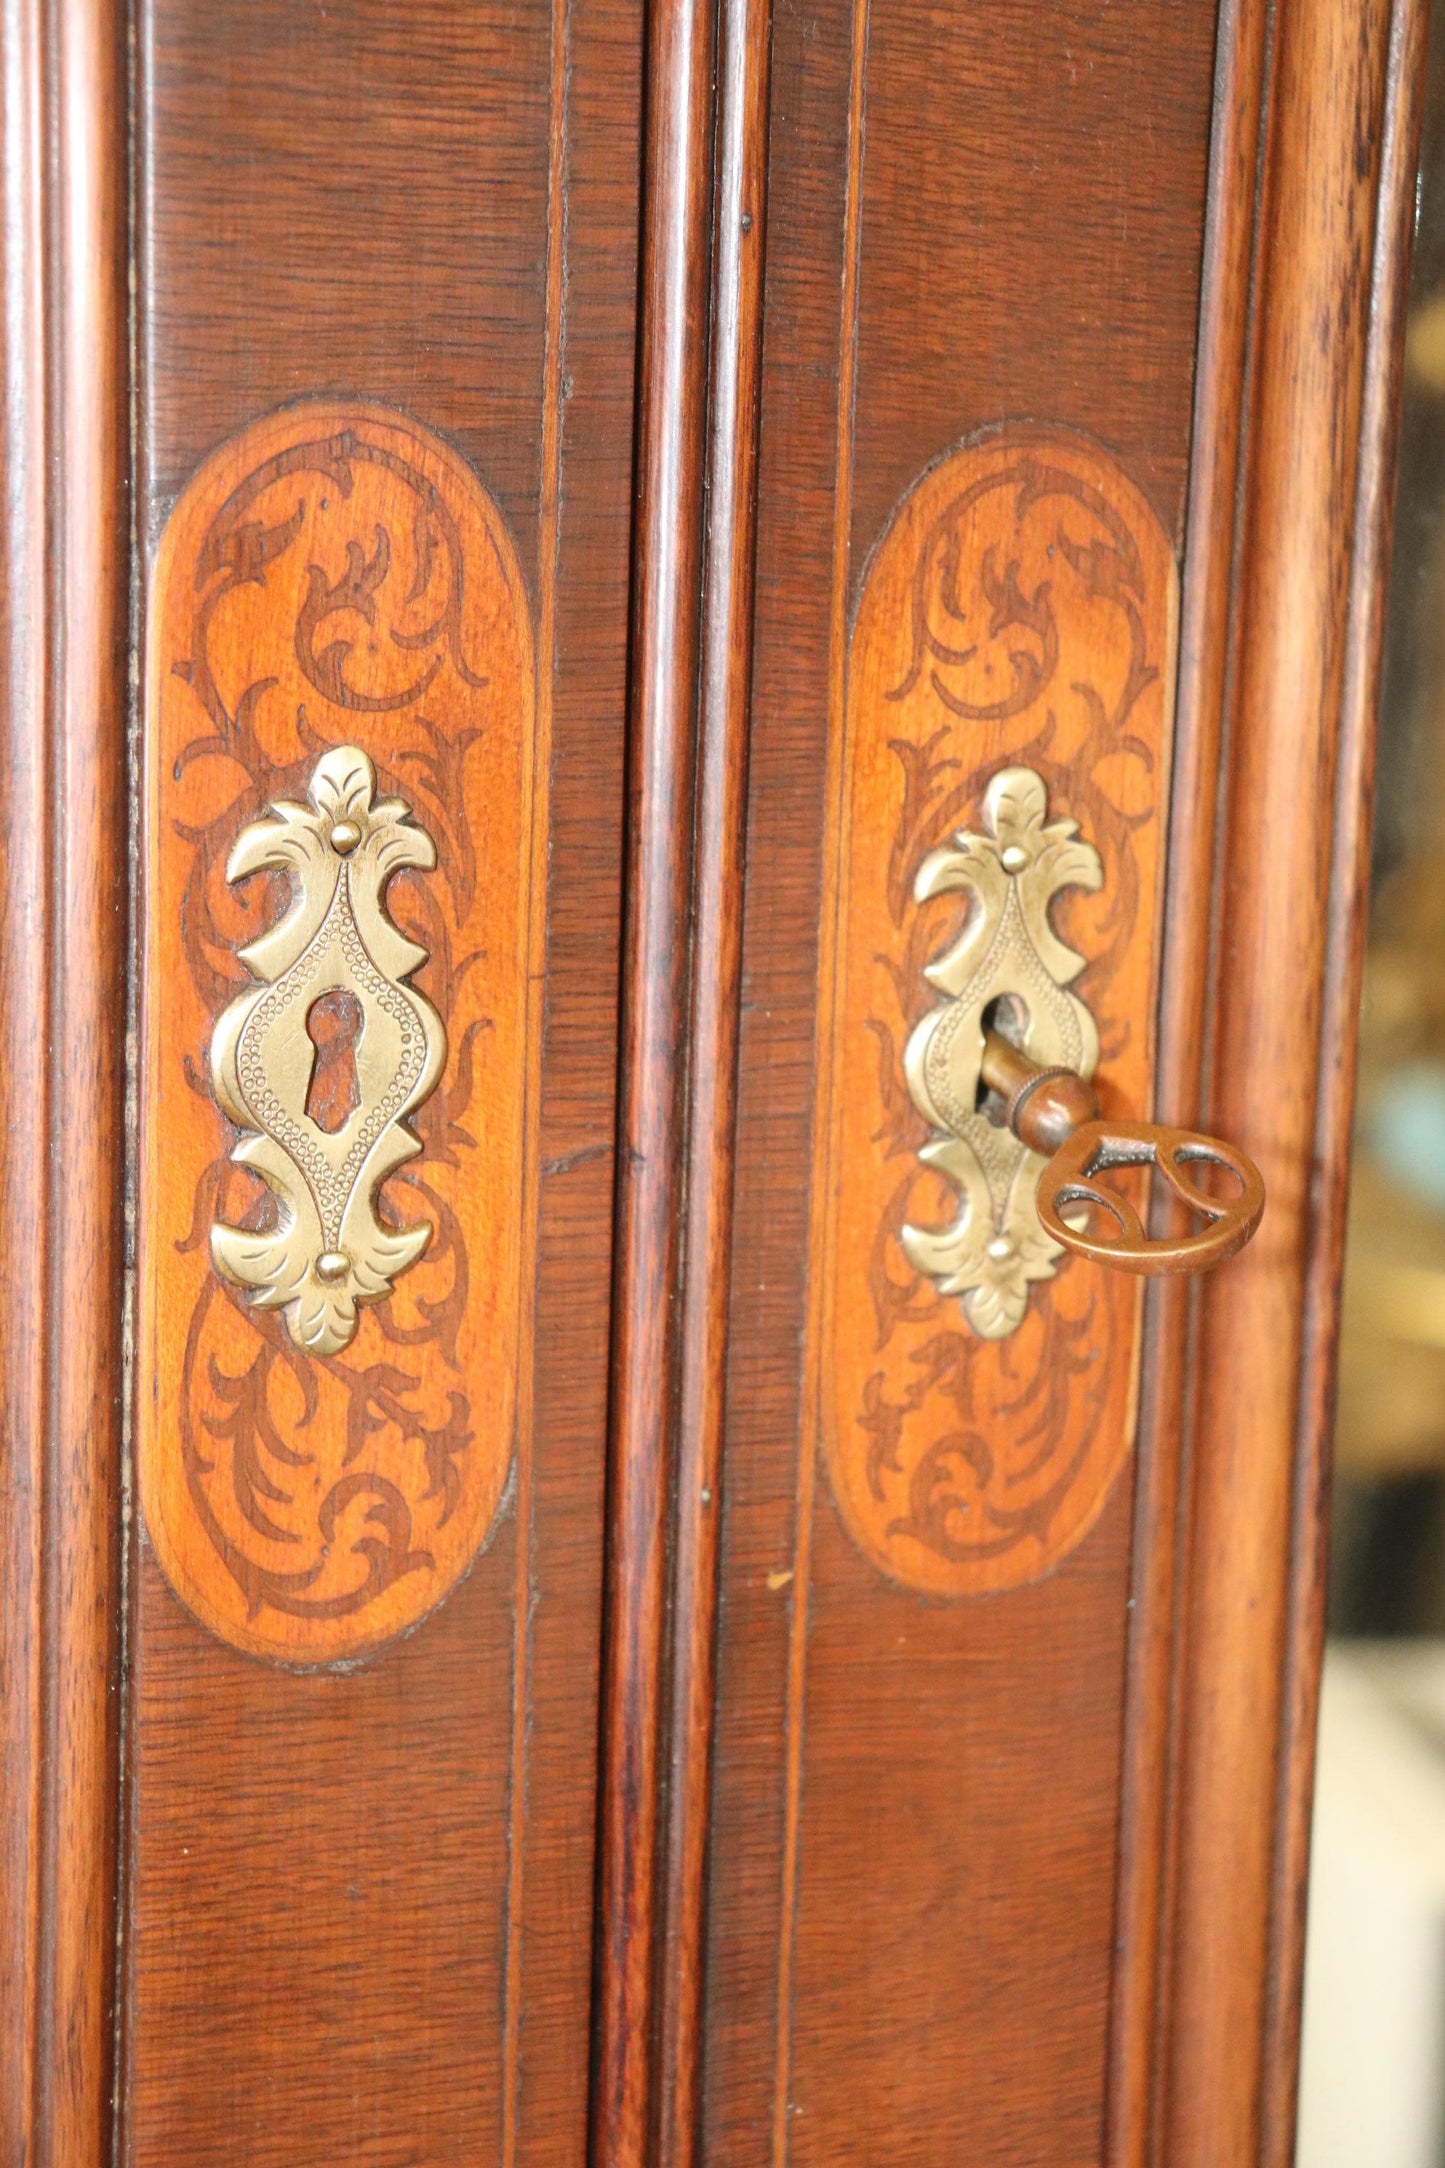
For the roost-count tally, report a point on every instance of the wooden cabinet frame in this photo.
(1300, 333)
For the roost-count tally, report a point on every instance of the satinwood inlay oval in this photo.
(1018, 614)
(335, 576)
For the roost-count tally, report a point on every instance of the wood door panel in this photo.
(355, 1893)
(917, 1802)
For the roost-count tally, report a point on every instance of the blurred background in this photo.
(1373, 2074)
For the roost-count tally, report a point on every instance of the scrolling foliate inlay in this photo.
(1000, 781)
(328, 1250)
(344, 840)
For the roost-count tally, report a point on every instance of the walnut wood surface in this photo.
(1134, 2098)
(359, 1922)
(1211, 592)
(882, 1876)
(1310, 559)
(336, 575)
(745, 35)
(917, 1804)
(63, 620)
(1339, 1040)
(666, 625)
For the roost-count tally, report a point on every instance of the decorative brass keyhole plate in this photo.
(328, 1250)
(1006, 950)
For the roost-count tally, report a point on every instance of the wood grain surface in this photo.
(1146, 1837)
(1213, 590)
(651, 1185)
(360, 1900)
(739, 236)
(916, 1820)
(1396, 222)
(64, 606)
(1019, 612)
(810, 1861)
(1147, 1833)
(1310, 555)
(335, 575)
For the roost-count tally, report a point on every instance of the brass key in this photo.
(1055, 1113)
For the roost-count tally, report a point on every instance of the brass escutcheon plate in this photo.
(1006, 951)
(328, 1250)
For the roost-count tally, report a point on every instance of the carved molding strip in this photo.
(343, 831)
(994, 1247)
(975, 1391)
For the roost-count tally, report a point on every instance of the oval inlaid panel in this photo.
(335, 582)
(1019, 613)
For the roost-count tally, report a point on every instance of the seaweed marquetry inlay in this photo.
(344, 843)
(999, 770)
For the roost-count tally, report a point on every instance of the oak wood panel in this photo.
(64, 577)
(1305, 646)
(913, 1958)
(391, 205)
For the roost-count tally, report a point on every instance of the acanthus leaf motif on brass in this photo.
(328, 1249)
(1007, 953)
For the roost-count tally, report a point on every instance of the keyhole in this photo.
(1009, 1017)
(333, 1025)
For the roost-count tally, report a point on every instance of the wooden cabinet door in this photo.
(986, 1696)
(304, 1683)
(591, 590)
